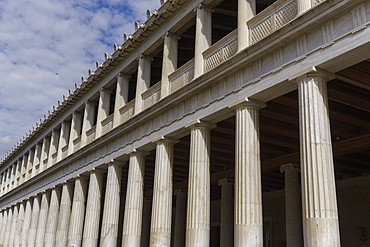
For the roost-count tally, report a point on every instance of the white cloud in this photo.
(45, 47)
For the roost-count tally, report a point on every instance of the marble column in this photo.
(18, 228)
(26, 223)
(13, 226)
(63, 139)
(143, 80)
(43, 216)
(109, 229)
(54, 142)
(36, 159)
(3, 227)
(52, 219)
(76, 223)
(319, 197)
(227, 219)
(121, 97)
(103, 110)
(203, 36)
(44, 153)
(246, 11)
(160, 230)
(132, 223)
(8, 227)
(180, 219)
(248, 230)
(93, 208)
(198, 220)
(147, 216)
(61, 238)
(31, 240)
(76, 126)
(169, 64)
(1, 224)
(11, 180)
(303, 5)
(23, 168)
(89, 116)
(293, 205)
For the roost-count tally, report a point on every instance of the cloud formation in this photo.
(47, 45)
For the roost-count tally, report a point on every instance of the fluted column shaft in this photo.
(89, 115)
(76, 126)
(43, 216)
(61, 238)
(3, 227)
(78, 212)
(160, 230)
(320, 213)
(103, 110)
(8, 227)
(246, 11)
(132, 222)
(248, 229)
(109, 231)
(203, 37)
(143, 80)
(169, 64)
(199, 199)
(63, 138)
(121, 97)
(180, 219)
(31, 240)
(93, 208)
(26, 223)
(52, 220)
(303, 5)
(227, 220)
(14, 225)
(18, 228)
(54, 142)
(293, 205)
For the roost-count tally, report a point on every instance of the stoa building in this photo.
(216, 123)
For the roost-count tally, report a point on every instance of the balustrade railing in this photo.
(90, 135)
(182, 76)
(272, 18)
(107, 124)
(221, 51)
(151, 96)
(127, 111)
(76, 144)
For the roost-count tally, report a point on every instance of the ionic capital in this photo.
(136, 152)
(172, 35)
(312, 72)
(179, 192)
(224, 181)
(205, 7)
(289, 167)
(200, 124)
(163, 139)
(247, 103)
(121, 74)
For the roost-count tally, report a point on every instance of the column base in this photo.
(322, 232)
(248, 235)
(197, 237)
(160, 239)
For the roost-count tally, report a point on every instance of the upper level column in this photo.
(248, 185)
(63, 139)
(303, 5)
(103, 110)
(121, 97)
(320, 212)
(54, 142)
(169, 64)
(203, 37)
(88, 120)
(76, 126)
(44, 153)
(246, 11)
(143, 80)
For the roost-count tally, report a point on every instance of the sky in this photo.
(45, 48)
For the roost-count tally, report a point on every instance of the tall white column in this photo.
(36, 159)
(132, 222)
(293, 205)
(143, 80)
(198, 221)
(44, 153)
(23, 168)
(3, 227)
(203, 36)
(14, 225)
(303, 5)
(160, 230)
(52, 220)
(54, 143)
(169, 63)
(248, 229)
(109, 230)
(12, 176)
(89, 115)
(17, 178)
(246, 11)
(63, 139)
(8, 227)
(61, 238)
(121, 97)
(26, 223)
(43, 216)
(78, 212)
(103, 110)
(76, 126)
(227, 220)
(18, 228)
(180, 219)
(31, 240)
(320, 212)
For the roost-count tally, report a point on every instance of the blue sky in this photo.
(45, 48)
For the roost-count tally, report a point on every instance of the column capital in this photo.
(289, 166)
(136, 152)
(81, 176)
(247, 102)
(178, 192)
(312, 72)
(169, 34)
(163, 139)
(205, 7)
(200, 123)
(121, 74)
(224, 181)
(105, 90)
(143, 56)
(97, 170)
